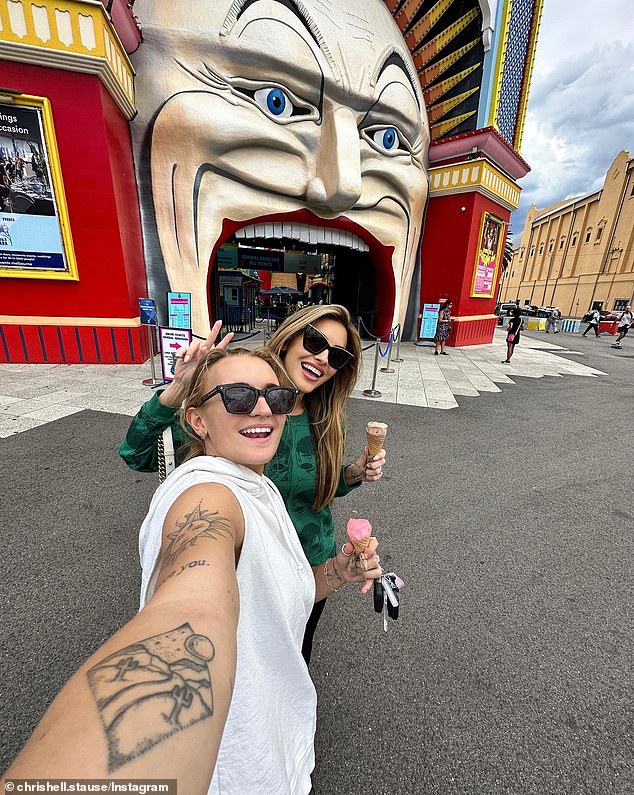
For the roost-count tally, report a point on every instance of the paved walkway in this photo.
(34, 394)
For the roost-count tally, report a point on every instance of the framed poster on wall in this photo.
(488, 256)
(35, 239)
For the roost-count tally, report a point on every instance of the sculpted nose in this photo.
(336, 185)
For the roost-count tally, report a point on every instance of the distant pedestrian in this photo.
(553, 320)
(513, 334)
(626, 321)
(443, 328)
(594, 318)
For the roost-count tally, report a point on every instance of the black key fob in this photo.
(378, 595)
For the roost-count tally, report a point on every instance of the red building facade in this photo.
(69, 61)
(77, 65)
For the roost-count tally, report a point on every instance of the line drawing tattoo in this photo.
(151, 690)
(193, 564)
(197, 524)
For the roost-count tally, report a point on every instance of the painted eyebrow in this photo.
(396, 59)
(297, 8)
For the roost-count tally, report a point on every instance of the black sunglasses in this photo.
(241, 398)
(315, 342)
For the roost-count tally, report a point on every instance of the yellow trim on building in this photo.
(496, 88)
(441, 128)
(440, 109)
(71, 274)
(470, 318)
(68, 34)
(108, 322)
(530, 63)
(474, 175)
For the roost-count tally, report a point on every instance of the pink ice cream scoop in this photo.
(359, 530)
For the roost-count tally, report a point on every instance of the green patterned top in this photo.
(293, 470)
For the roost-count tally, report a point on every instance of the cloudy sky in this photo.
(581, 104)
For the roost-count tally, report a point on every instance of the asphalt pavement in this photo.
(511, 521)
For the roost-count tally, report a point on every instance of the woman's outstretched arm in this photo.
(153, 700)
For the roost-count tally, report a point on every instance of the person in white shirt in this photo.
(625, 323)
(553, 321)
(207, 684)
(593, 323)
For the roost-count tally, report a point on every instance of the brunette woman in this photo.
(443, 328)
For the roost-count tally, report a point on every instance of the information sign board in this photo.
(171, 339)
(179, 310)
(429, 321)
(147, 312)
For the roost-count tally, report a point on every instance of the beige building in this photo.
(579, 254)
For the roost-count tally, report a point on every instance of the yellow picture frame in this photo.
(50, 141)
(488, 219)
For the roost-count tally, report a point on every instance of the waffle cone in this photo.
(375, 445)
(360, 546)
(375, 433)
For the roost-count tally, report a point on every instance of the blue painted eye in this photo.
(275, 102)
(387, 138)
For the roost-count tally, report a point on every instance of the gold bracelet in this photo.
(334, 590)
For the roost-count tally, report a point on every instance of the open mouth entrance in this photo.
(267, 267)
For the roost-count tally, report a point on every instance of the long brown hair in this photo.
(198, 387)
(326, 405)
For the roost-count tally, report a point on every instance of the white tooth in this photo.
(287, 230)
(268, 230)
(312, 234)
(349, 242)
(328, 235)
(278, 230)
(241, 233)
(249, 231)
(305, 233)
(364, 246)
(259, 231)
(321, 233)
(355, 242)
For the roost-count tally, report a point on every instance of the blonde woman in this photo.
(321, 352)
(207, 684)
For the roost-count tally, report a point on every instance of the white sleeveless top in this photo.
(267, 746)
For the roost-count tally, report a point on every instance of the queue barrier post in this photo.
(372, 392)
(153, 381)
(387, 368)
(397, 359)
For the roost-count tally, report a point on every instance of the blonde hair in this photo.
(198, 387)
(326, 405)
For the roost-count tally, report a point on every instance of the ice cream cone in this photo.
(360, 546)
(375, 433)
(359, 533)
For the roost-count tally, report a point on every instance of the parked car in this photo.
(504, 310)
(529, 310)
(544, 311)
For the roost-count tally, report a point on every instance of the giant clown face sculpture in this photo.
(293, 119)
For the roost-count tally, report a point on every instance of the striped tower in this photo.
(474, 62)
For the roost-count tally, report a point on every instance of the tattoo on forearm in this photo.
(193, 564)
(197, 524)
(151, 690)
